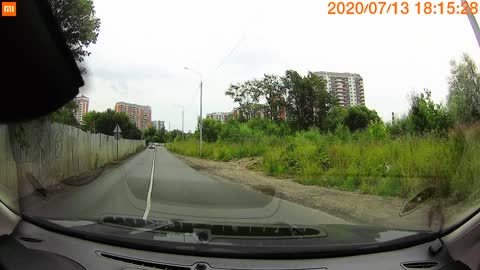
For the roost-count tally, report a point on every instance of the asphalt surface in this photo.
(156, 184)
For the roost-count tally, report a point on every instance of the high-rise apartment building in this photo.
(158, 124)
(82, 103)
(347, 87)
(219, 116)
(140, 115)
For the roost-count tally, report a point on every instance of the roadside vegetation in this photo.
(433, 145)
(105, 122)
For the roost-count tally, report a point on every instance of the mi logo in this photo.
(9, 9)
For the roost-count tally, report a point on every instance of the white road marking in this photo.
(149, 194)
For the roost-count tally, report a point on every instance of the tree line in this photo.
(462, 106)
(152, 134)
(308, 105)
(304, 99)
(105, 122)
(97, 122)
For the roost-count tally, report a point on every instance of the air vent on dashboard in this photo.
(221, 230)
(419, 265)
(141, 262)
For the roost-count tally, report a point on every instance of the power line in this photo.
(242, 38)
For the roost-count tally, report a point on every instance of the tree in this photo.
(161, 135)
(132, 132)
(464, 90)
(79, 25)
(308, 101)
(426, 116)
(65, 115)
(323, 101)
(335, 118)
(173, 135)
(211, 129)
(400, 126)
(300, 111)
(247, 95)
(89, 121)
(105, 123)
(305, 98)
(149, 134)
(359, 117)
(273, 91)
(80, 28)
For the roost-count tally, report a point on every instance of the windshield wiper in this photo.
(156, 225)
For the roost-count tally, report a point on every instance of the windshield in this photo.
(256, 123)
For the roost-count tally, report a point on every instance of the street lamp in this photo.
(183, 110)
(200, 124)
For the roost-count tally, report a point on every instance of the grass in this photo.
(216, 151)
(357, 162)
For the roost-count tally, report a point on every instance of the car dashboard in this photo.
(93, 255)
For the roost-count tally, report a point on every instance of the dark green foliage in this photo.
(308, 102)
(65, 115)
(79, 25)
(105, 122)
(464, 91)
(424, 117)
(211, 130)
(351, 148)
(359, 117)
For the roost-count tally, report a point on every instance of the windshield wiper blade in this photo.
(156, 225)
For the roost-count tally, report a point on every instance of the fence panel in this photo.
(49, 152)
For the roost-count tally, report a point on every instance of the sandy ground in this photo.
(354, 207)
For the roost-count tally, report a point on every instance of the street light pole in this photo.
(169, 133)
(201, 115)
(200, 121)
(183, 118)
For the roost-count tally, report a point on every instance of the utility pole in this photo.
(201, 115)
(183, 119)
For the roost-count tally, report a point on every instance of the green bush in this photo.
(369, 161)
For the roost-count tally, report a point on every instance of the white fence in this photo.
(51, 152)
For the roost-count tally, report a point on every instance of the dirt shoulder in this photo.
(351, 206)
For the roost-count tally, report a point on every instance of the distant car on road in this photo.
(151, 145)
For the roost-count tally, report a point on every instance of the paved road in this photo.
(156, 184)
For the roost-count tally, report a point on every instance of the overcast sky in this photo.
(144, 46)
